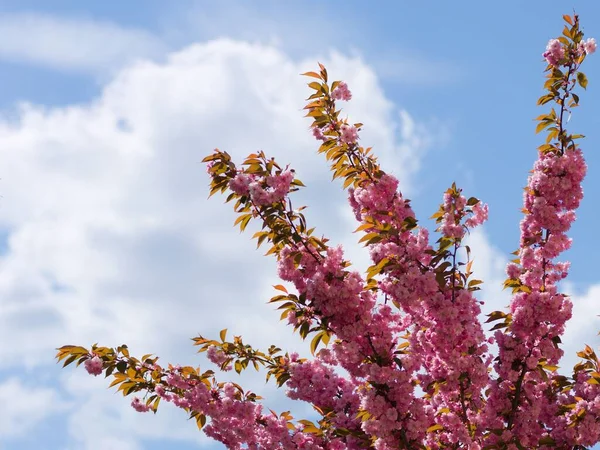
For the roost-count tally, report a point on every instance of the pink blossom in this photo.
(348, 134)
(240, 184)
(139, 406)
(318, 134)
(94, 365)
(341, 92)
(513, 270)
(554, 52)
(590, 46)
(216, 355)
(480, 215)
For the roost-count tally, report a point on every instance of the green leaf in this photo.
(545, 99)
(582, 80)
(499, 326)
(314, 85)
(200, 420)
(311, 74)
(547, 440)
(496, 315)
(315, 342)
(542, 125)
(474, 283)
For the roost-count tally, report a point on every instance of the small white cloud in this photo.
(583, 327)
(25, 405)
(73, 43)
(489, 265)
(122, 427)
(284, 25)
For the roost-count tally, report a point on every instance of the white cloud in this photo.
(488, 265)
(73, 44)
(583, 327)
(122, 426)
(24, 406)
(83, 44)
(285, 25)
(112, 239)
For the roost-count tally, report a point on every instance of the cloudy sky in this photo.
(106, 232)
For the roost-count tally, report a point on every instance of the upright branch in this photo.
(331, 301)
(522, 407)
(439, 313)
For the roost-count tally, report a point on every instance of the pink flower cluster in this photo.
(554, 53)
(480, 215)
(263, 191)
(455, 210)
(209, 166)
(554, 192)
(586, 398)
(94, 365)
(317, 383)
(137, 404)
(364, 329)
(341, 92)
(318, 134)
(348, 134)
(446, 338)
(540, 313)
(239, 423)
(218, 357)
(589, 46)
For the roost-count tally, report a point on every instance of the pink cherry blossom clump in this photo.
(554, 52)
(341, 92)
(94, 366)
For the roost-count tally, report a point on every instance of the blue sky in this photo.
(106, 109)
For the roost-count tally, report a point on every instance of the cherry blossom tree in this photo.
(401, 359)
